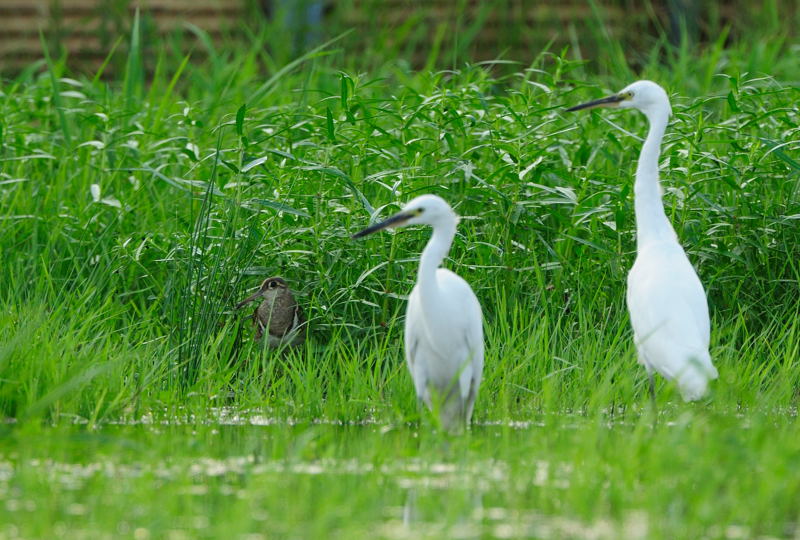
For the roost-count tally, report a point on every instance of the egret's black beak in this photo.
(394, 221)
(610, 101)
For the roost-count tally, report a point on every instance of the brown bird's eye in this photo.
(272, 284)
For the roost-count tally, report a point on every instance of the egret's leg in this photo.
(652, 383)
(410, 508)
(650, 376)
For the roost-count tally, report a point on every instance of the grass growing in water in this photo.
(134, 217)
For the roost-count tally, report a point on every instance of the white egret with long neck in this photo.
(666, 301)
(443, 328)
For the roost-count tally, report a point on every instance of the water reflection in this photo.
(408, 474)
(497, 481)
(435, 513)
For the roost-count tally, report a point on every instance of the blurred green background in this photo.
(422, 33)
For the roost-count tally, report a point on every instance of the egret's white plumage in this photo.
(443, 329)
(666, 301)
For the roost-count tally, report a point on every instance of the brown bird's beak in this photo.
(249, 299)
(394, 221)
(610, 101)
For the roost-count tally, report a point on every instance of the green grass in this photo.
(135, 213)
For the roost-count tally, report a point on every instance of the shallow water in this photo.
(418, 491)
(247, 474)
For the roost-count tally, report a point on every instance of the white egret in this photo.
(443, 329)
(666, 301)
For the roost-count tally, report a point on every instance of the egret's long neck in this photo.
(651, 221)
(432, 256)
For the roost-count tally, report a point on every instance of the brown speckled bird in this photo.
(278, 314)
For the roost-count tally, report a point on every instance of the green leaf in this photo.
(134, 72)
(230, 165)
(240, 120)
(271, 83)
(281, 153)
(777, 149)
(255, 163)
(180, 183)
(333, 171)
(732, 102)
(280, 207)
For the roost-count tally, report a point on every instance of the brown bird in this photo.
(278, 314)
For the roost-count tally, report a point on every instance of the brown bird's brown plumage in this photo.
(278, 314)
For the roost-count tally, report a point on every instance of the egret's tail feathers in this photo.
(693, 379)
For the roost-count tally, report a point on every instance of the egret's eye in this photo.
(420, 210)
(629, 94)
